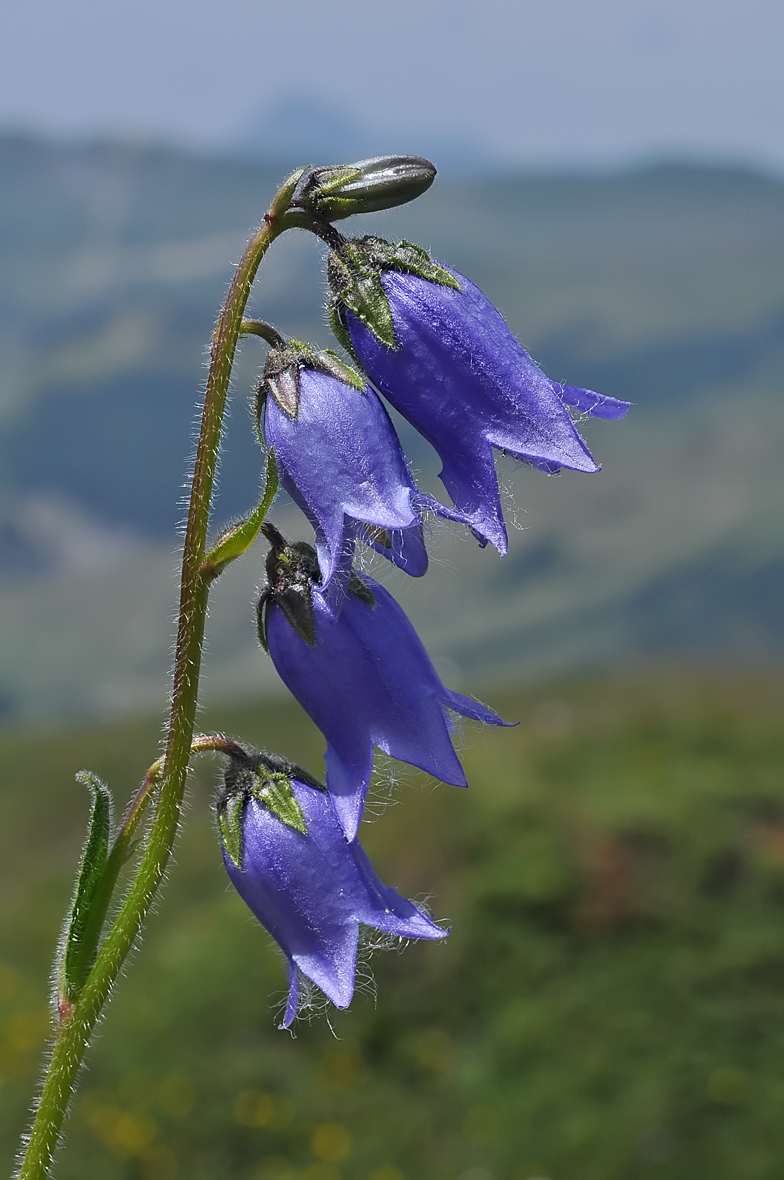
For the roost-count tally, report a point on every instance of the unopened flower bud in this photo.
(365, 187)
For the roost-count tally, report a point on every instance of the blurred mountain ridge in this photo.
(663, 285)
(311, 129)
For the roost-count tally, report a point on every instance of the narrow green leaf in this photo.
(230, 827)
(83, 932)
(274, 791)
(240, 538)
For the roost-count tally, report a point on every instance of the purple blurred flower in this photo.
(358, 668)
(444, 356)
(306, 884)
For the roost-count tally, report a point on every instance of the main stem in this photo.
(75, 1030)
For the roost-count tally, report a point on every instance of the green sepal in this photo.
(267, 779)
(329, 362)
(329, 180)
(282, 370)
(274, 791)
(361, 589)
(90, 902)
(284, 387)
(240, 537)
(354, 271)
(230, 828)
(409, 258)
(357, 284)
(338, 328)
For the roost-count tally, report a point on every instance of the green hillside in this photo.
(664, 286)
(608, 1005)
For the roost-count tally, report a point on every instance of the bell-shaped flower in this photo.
(444, 356)
(288, 858)
(356, 665)
(341, 460)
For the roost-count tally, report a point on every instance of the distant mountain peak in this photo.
(312, 129)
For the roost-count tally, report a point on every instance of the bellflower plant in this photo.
(431, 342)
(289, 860)
(444, 356)
(358, 668)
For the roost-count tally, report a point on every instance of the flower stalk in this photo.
(79, 1017)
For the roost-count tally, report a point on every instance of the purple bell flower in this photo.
(356, 665)
(306, 884)
(341, 462)
(444, 356)
(340, 459)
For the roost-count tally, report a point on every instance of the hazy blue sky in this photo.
(534, 81)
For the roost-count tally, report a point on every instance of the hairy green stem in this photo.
(78, 1022)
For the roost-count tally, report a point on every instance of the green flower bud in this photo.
(382, 182)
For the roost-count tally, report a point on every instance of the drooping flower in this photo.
(356, 665)
(341, 460)
(288, 858)
(444, 356)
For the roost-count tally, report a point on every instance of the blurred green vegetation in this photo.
(609, 1005)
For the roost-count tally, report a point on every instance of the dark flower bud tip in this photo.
(381, 182)
(292, 571)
